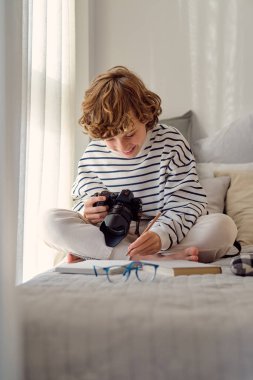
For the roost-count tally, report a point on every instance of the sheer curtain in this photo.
(220, 60)
(49, 144)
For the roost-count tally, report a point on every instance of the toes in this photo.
(73, 259)
(193, 258)
(192, 251)
(69, 258)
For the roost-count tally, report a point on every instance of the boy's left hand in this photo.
(148, 243)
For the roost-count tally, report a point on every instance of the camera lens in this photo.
(123, 208)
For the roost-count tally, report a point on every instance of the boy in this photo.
(131, 150)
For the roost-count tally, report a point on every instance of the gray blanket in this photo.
(186, 327)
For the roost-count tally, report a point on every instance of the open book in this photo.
(87, 266)
(169, 268)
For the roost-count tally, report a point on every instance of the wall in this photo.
(195, 54)
(10, 108)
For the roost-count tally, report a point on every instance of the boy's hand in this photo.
(148, 243)
(96, 214)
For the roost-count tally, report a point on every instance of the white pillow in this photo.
(206, 170)
(231, 144)
(216, 190)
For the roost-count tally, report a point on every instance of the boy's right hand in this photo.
(96, 214)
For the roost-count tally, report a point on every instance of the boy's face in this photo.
(128, 144)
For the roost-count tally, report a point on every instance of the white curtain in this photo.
(50, 122)
(220, 60)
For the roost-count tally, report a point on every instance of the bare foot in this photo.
(190, 254)
(73, 259)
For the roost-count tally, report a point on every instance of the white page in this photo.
(87, 266)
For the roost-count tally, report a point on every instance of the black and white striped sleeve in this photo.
(86, 184)
(184, 197)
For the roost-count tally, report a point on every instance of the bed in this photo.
(79, 327)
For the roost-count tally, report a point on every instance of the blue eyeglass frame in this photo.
(134, 265)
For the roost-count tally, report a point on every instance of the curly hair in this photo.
(111, 99)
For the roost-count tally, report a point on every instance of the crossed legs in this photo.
(208, 240)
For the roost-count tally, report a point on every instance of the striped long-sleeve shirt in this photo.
(163, 175)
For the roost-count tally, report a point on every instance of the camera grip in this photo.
(101, 203)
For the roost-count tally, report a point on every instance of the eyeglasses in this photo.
(119, 273)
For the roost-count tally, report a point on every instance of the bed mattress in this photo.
(185, 327)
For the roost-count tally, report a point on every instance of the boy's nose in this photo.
(121, 145)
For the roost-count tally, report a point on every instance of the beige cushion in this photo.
(216, 191)
(239, 203)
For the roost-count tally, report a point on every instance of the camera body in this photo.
(123, 208)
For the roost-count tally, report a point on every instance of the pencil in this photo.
(149, 226)
(152, 222)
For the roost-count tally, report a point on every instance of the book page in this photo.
(87, 266)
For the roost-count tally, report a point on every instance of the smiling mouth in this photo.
(129, 151)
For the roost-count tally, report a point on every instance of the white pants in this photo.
(66, 231)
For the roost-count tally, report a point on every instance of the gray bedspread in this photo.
(187, 327)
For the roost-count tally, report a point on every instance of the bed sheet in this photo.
(83, 327)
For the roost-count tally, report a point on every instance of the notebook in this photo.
(186, 268)
(87, 266)
(169, 268)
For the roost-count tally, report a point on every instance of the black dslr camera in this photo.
(123, 208)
